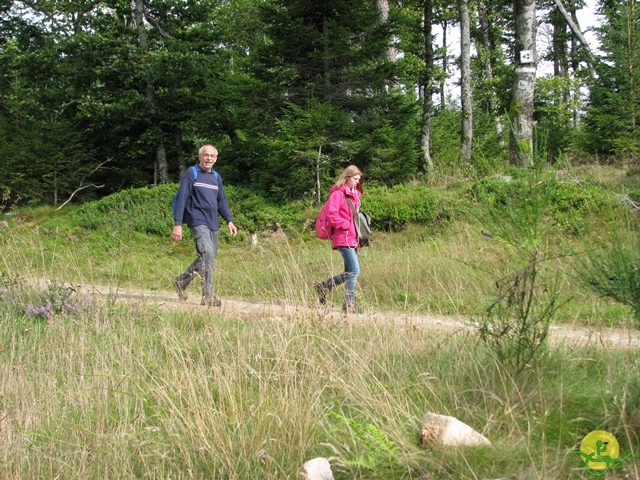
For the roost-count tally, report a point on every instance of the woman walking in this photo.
(348, 188)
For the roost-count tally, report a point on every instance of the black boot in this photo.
(351, 307)
(180, 288)
(322, 291)
(211, 301)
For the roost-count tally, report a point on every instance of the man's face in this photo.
(207, 158)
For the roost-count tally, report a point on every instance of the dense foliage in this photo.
(108, 95)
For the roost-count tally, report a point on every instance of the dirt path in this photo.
(252, 310)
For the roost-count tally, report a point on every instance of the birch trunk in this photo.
(427, 87)
(521, 108)
(465, 83)
(445, 65)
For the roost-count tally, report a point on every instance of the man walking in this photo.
(201, 199)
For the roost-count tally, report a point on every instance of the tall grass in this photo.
(97, 388)
(451, 273)
(135, 391)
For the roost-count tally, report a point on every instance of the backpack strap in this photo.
(356, 220)
(195, 173)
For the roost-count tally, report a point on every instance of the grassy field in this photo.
(452, 273)
(93, 387)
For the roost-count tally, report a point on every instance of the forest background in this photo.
(99, 96)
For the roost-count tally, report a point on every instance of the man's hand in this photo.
(176, 235)
(232, 229)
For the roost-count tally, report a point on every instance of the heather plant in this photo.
(57, 301)
(20, 299)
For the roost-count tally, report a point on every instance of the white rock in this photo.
(449, 432)
(316, 469)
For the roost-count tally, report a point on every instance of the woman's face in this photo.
(352, 182)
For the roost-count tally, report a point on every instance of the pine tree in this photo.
(613, 115)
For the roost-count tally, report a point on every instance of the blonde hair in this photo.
(350, 171)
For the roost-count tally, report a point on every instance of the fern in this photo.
(378, 456)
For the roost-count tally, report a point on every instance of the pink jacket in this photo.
(340, 216)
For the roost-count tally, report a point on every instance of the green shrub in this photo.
(392, 208)
(614, 270)
(516, 325)
(253, 213)
(565, 205)
(144, 210)
(148, 210)
(570, 203)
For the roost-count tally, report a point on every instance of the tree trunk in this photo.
(573, 24)
(161, 160)
(488, 67)
(525, 61)
(465, 83)
(160, 165)
(383, 9)
(560, 54)
(177, 137)
(318, 184)
(427, 87)
(575, 66)
(326, 51)
(560, 50)
(443, 96)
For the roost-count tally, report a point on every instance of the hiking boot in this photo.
(322, 291)
(211, 301)
(352, 308)
(182, 294)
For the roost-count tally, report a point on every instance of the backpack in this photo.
(195, 176)
(363, 226)
(323, 230)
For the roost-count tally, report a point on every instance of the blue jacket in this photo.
(201, 200)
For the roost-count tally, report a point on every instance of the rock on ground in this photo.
(449, 432)
(316, 469)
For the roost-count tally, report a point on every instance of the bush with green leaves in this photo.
(613, 270)
(149, 210)
(516, 323)
(392, 208)
(570, 203)
(145, 210)
(254, 213)
(563, 204)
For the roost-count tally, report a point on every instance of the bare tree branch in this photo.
(154, 22)
(76, 191)
(82, 187)
(626, 199)
(575, 29)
